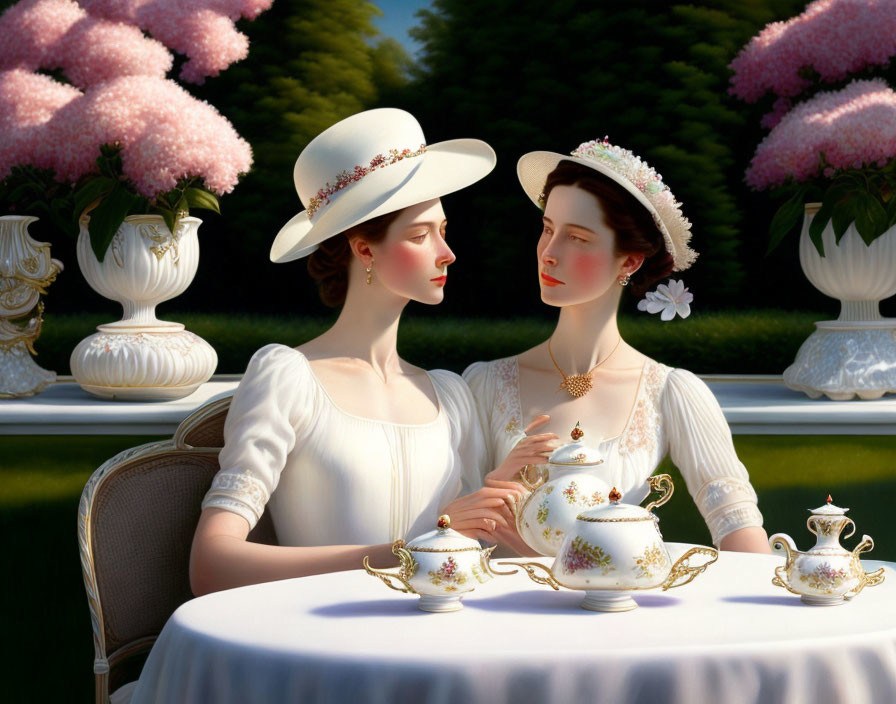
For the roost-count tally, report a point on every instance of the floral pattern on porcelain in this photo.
(652, 562)
(449, 575)
(825, 578)
(582, 555)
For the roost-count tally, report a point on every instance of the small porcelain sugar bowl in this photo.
(570, 487)
(827, 574)
(616, 549)
(441, 566)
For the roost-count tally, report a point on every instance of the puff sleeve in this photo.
(700, 445)
(259, 433)
(482, 387)
(466, 432)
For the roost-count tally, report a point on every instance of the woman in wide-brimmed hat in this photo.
(610, 224)
(347, 445)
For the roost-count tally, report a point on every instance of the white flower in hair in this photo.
(667, 215)
(669, 299)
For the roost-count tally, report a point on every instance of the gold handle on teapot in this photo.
(407, 568)
(484, 556)
(549, 580)
(812, 525)
(661, 483)
(867, 579)
(524, 478)
(682, 573)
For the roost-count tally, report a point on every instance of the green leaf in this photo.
(891, 213)
(871, 218)
(90, 191)
(785, 220)
(169, 216)
(842, 216)
(106, 218)
(819, 221)
(200, 198)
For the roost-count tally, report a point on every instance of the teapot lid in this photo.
(829, 509)
(442, 539)
(575, 453)
(616, 512)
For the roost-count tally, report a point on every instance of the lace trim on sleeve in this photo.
(731, 518)
(239, 492)
(718, 493)
(644, 427)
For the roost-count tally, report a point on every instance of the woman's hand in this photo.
(477, 515)
(532, 449)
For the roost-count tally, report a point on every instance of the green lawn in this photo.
(41, 480)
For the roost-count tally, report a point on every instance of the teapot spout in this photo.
(530, 568)
(683, 572)
(408, 566)
(782, 541)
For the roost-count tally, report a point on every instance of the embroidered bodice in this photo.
(674, 413)
(330, 477)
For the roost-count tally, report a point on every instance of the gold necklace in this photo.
(578, 385)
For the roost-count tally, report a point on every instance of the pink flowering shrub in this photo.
(853, 128)
(165, 135)
(835, 38)
(27, 102)
(59, 34)
(202, 30)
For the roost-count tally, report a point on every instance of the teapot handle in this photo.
(549, 580)
(408, 566)
(484, 556)
(661, 483)
(682, 573)
(524, 478)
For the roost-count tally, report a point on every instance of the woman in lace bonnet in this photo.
(610, 224)
(347, 446)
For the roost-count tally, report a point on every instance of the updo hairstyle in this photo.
(328, 264)
(636, 233)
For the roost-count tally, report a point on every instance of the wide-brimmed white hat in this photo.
(630, 172)
(370, 164)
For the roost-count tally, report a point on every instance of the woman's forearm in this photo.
(750, 539)
(221, 557)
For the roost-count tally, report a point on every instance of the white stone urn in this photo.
(142, 358)
(854, 355)
(26, 270)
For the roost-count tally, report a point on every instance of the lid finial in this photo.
(444, 522)
(615, 496)
(577, 433)
(829, 498)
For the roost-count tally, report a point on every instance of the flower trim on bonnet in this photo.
(671, 222)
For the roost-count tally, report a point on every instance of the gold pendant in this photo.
(577, 385)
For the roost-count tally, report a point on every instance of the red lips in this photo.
(440, 280)
(550, 280)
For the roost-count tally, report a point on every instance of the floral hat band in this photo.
(346, 177)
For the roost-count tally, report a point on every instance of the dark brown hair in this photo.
(328, 264)
(636, 233)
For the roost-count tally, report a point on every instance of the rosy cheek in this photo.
(406, 262)
(587, 267)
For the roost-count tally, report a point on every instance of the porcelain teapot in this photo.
(441, 566)
(827, 574)
(616, 549)
(566, 487)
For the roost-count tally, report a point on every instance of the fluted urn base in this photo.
(20, 375)
(846, 359)
(153, 364)
(608, 601)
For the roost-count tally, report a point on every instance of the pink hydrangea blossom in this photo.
(202, 30)
(853, 127)
(834, 37)
(27, 102)
(58, 34)
(165, 135)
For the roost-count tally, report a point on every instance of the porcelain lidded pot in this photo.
(571, 486)
(441, 566)
(616, 549)
(827, 574)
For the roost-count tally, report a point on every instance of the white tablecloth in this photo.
(729, 636)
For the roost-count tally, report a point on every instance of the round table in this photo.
(729, 636)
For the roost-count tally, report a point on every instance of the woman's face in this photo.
(413, 258)
(577, 259)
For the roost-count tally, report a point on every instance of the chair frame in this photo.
(177, 445)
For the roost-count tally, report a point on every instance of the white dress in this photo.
(674, 413)
(329, 477)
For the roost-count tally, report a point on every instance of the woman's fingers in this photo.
(537, 422)
(463, 518)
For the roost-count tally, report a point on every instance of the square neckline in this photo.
(631, 413)
(340, 409)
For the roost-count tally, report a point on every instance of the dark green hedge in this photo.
(750, 342)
